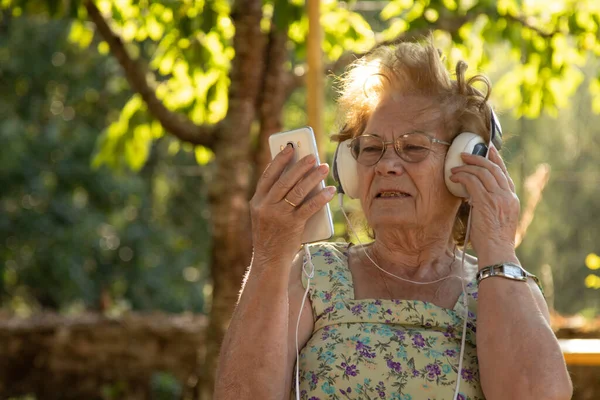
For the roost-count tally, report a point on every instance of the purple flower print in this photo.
(364, 350)
(395, 366)
(357, 309)
(433, 371)
(461, 397)
(400, 334)
(467, 374)
(327, 296)
(347, 391)
(449, 332)
(471, 326)
(380, 390)
(415, 372)
(314, 398)
(450, 353)
(377, 302)
(328, 310)
(349, 369)
(314, 379)
(418, 341)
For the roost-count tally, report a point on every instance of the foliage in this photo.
(73, 236)
(592, 261)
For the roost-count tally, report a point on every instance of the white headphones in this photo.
(344, 164)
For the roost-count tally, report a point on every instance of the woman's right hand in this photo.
(277, 225)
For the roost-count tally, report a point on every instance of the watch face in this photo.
(513, 270)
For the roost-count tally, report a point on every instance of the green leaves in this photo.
(396, 8)
(128, 139)
(70, 232)
(190, 52)
(81, 34)
(188, 45)
(203, 155)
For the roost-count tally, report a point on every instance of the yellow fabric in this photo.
(382, 349)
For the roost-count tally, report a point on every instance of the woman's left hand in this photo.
(495, 206)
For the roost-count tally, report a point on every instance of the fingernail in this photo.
(331, 191)
(465, 154)
(323, 168)
(310, 159)
(288, 149)
(453, 178)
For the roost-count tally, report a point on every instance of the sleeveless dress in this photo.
(382, 349)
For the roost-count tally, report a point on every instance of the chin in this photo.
(388, 221)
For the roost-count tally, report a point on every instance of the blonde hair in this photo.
(414, 69)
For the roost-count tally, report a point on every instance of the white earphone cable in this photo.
(309, 276)
(465, 302)
(340, 202)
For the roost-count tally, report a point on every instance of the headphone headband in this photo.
(495, 130)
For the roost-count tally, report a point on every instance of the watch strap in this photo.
(502, 270)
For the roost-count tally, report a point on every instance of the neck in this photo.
(433, 259)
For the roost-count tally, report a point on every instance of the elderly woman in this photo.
(385, 319)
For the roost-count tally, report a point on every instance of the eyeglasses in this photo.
(411, 147)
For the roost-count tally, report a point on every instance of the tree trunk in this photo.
(272, 97)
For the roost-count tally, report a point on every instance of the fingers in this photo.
(490, 174)
(301, 190)
(273, 171)
(316, 202)
(288, 180)
(472, 183)
(496, 158)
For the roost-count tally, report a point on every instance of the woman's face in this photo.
(417, 194)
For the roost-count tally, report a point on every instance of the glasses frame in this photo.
(431, 139)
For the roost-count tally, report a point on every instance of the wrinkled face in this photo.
(395, 193)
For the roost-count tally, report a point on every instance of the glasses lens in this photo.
(367, 150)
(413, 147)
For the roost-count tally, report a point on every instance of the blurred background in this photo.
(132, 134)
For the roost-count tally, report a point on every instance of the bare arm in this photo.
(258, 351)
(519, 356)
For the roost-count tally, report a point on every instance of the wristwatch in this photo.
(506, 270)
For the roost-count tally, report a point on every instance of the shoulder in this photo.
(336, 250)
(327, 269)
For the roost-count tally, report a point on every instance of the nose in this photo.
(390, 163)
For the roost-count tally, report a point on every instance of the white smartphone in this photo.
(320, 225)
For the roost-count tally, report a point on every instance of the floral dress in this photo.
(382, 349)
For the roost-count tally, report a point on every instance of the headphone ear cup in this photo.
(466, 142)
(344, 170)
